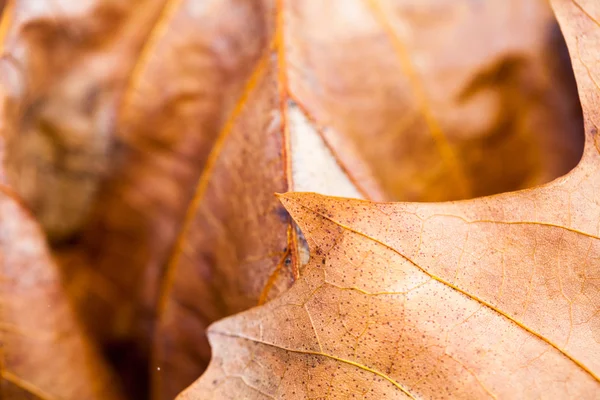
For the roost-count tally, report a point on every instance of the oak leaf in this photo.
(363, 84)
(496, 297)
(112, 111)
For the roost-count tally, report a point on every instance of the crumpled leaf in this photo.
(164, 137)
(46, 354)
(215, 271)
(135, 95)
(64, 66)
(493, 297)
(421, 96)
(392, 125)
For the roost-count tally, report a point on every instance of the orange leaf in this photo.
(493, 297)
(45, 353)
(62, 71)
(337, 105)
(147, 137)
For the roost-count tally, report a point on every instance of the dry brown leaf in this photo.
(431, 99)
(63, 70)
(377, 114)
(45, 353)
(176, 102)
(110, 110)
(496, 297)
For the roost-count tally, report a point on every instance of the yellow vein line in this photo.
(283, 91)
(283, 88)
(5, 22)
(316, 353)
(584, 11)
(545, 224)
(314, 328)
(465, 293)
(434, 128)
(156, 33)
(251, 386)
(584, 64)
(500, 222)
(27, 386)
(202, 184)
(474, 221)
(9, 192)
(366, 292)
(474, 375)
(264, 293)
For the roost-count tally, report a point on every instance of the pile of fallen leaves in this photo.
(142, 143)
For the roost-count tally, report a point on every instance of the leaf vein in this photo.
(458, 289)
(316, 353)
